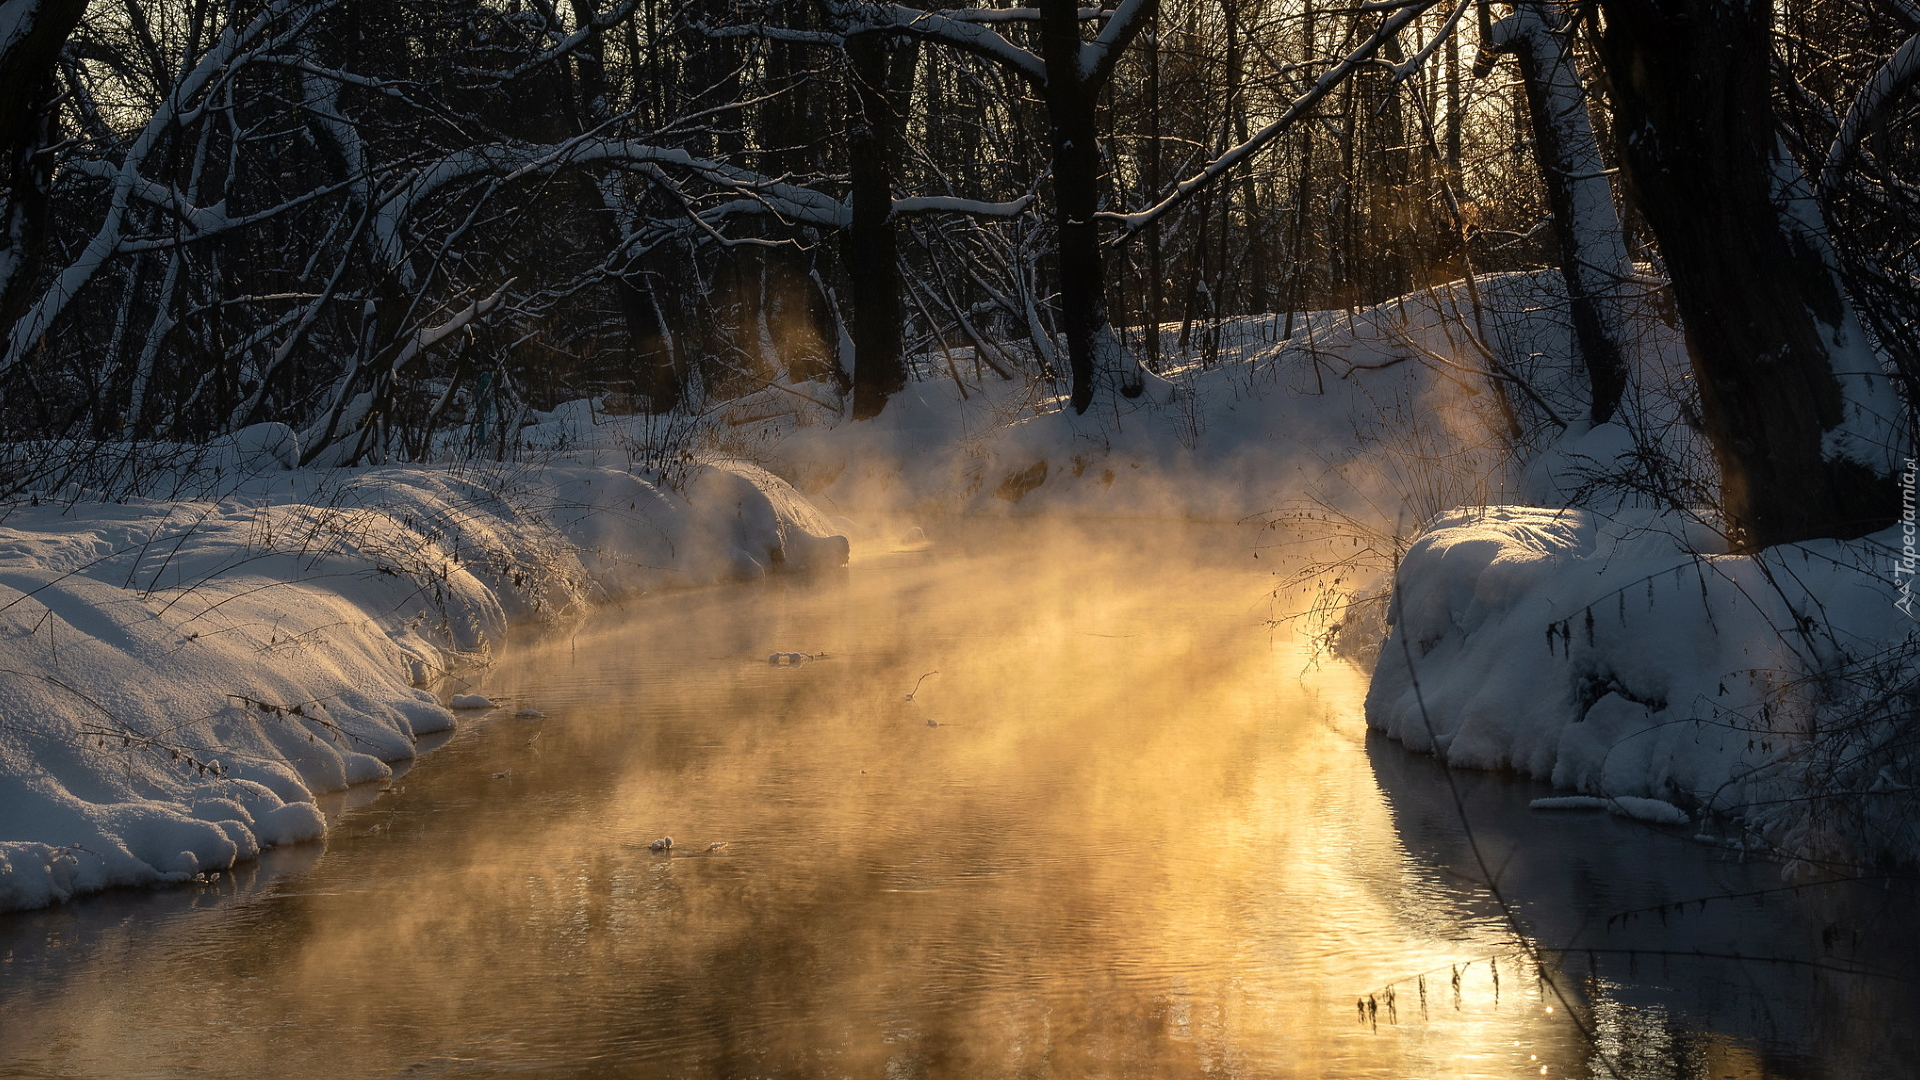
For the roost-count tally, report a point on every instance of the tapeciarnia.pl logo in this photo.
(1903, 567)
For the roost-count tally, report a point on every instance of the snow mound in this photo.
(1324, 406)
(1569, 802)
(1657, 811)
(1613, 656)
(178, 678)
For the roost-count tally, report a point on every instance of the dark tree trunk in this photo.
(883, 80)
(1455, 114)
(659, 372)
(28, 125)
(1156, 270)
(1249, 190)
(710, 75)
(1762, 309)
(1388, 230)
(1071, 115)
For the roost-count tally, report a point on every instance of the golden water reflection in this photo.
(1138, 838)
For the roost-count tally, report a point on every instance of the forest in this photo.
(384, 222)
(1032, 492)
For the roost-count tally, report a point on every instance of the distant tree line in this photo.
(385, 220)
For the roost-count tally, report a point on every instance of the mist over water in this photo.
(1125, 829)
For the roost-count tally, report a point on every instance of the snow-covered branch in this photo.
(164, 196)
(1892, 81)
(1406, 70)
(127, 179)
(752, 195)
(511, 162)
(1123, 24)
(970, 30)
(427, 337)
(942, 204)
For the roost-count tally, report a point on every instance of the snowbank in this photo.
(177, 678)
(1619, 657)
(1387, 412)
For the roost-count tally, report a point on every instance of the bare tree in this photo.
(1592, 249)
(32, 33)
(1792, 396)
(1068, 72)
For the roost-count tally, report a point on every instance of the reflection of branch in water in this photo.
(916, 685)
(1512, 919)
(1679, 907)
(1550, 962)
(1856, 968)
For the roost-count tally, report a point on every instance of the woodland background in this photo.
(384, 222)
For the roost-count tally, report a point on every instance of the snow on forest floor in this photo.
(179, 677)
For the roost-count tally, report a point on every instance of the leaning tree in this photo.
(1802, 420)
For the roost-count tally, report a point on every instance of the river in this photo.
(1030, 802)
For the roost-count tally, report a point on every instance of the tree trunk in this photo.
(654, 369)
(28, 125)
(1767, 326)
(1071, 119)
(1256, 288)
(1156, 269)
(1455, 114)
(871, 249)
(1593, 253)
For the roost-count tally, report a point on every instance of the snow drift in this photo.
(1386, 411)
(178, 677)
(1619, 656)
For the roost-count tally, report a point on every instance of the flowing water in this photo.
(1031, 804)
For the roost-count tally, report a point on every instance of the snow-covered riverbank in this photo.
(177, 678)
(179, 675)
(1558, 624)
(1366, 413)
(1767, 697)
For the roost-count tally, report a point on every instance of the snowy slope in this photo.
(177, 678)
(1618, 656)
(1389, 413)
